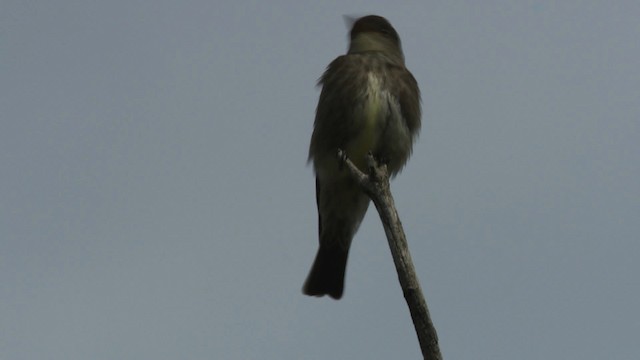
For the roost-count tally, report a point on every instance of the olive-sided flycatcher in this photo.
(370, 103)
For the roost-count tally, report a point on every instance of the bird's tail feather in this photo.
(327, 273)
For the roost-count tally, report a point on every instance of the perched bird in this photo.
(369, 103)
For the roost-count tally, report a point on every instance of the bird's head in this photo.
(374, 34)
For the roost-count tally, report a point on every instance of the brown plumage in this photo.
(369, 102)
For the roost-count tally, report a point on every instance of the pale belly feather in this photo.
(371, 122)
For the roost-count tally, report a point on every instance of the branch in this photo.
(376, 186)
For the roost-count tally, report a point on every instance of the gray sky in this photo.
(155, 202)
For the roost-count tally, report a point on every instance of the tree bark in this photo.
(376, 186)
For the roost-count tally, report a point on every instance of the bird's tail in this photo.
(327, 273)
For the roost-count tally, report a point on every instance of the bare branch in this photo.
(376, 186)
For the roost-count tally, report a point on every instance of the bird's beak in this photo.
(349, 20)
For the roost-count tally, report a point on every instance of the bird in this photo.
(369, 104)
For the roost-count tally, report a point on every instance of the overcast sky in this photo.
(155, 201)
